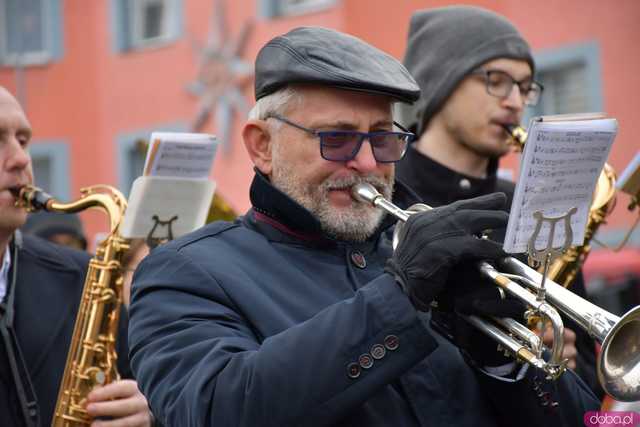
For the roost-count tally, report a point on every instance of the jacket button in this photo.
(353, 370)
(358, 259)
(391, 342)
(464, 184)
(378, 351)
(366, 361)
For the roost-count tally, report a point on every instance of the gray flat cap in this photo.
(327, 57)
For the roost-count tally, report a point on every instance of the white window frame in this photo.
(137, 23)
(57, 152)
(286, 8)
(29, 58)
(587, 54)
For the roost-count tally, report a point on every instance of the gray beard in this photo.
(355, 223)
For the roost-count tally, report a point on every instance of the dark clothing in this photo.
(49, 284)
(437, 185)
(259, 322)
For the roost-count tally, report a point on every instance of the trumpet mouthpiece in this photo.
(364, 192)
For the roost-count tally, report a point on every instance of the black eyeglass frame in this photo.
(524, 91)
(405, 136)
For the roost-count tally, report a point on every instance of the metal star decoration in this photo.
(222, 75)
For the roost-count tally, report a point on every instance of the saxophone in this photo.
(565, 268)
(91, 360)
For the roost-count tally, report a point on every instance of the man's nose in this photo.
(515, 100)
(18, 157)
(364, 160)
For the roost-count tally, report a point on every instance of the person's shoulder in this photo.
(52, 255)
(216, 231)
(505, 185)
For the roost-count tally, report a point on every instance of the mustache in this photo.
(344, 183)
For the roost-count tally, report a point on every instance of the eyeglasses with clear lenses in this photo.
(344, 145)
(500, 84)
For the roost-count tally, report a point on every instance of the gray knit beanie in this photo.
(446, 44)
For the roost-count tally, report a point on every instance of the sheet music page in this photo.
(180, 155)
(559, 170)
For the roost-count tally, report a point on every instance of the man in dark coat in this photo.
(299, 313)
(468, 62)
(40, 288)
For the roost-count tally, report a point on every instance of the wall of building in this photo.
(96, 96)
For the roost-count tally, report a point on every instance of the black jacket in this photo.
(437, 185)
(266, 321)
(49, 283)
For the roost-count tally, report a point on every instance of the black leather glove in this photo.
(434, 241)
(469, 293)
(481, 299)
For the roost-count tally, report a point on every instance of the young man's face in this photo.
(322, 186)
(474, 118)
(15, 162)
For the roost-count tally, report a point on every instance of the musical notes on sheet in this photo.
(559, 170)
(180, 155)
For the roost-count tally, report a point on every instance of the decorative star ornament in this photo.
(222, 75)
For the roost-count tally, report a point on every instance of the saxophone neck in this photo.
(101, 197)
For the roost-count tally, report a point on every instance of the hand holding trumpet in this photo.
(433, 242)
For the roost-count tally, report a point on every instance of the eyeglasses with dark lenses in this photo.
(500, 84)
(344, 145)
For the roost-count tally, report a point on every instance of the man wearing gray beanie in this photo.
(467, 61)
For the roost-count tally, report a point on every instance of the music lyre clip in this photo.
(547, 254)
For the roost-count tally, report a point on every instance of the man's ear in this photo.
(257, 140)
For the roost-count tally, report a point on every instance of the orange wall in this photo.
(95, 94)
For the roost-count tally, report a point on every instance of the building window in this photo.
(50, 162)
(132, 152)
(150, 21)
(571, 78)
(30, 31)
(273, 8)
(140, 24)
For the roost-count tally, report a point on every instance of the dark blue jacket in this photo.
(49, 283)
(266, 322)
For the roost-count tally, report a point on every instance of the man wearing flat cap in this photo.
(300, 313)
(476, 75)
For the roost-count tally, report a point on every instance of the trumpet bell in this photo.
(619, 359)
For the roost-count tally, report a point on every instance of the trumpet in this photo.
(618, 364)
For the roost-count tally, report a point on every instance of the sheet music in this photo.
(180, 155)
(175, 183)
(559, 170)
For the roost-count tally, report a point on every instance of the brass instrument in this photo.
(91, 360)
(618, 364)
(565, 268)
